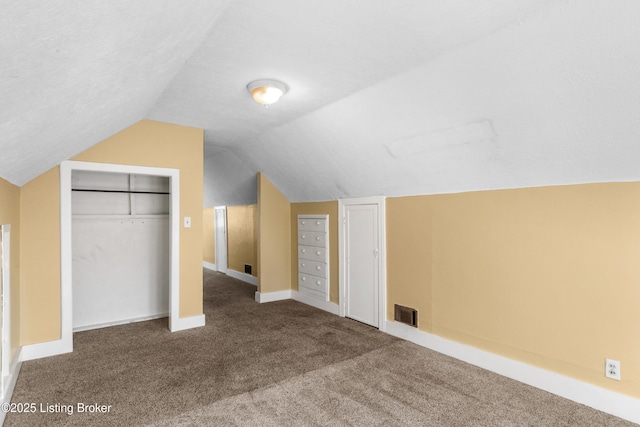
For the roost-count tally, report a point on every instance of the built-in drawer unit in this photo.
(313, 256)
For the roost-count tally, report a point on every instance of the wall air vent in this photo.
(406, 315)
(247, 269)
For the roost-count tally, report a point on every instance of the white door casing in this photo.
(6, 303)
(363, 260)
(220, 221)
(65, 344)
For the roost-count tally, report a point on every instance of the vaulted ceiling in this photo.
(392, 98)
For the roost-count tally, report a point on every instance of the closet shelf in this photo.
(120, 191)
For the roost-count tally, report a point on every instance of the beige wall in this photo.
(409, 257)
(146, 143)
(241, 238)
(274, 238)
(10, 214)
(208, 235)
(322, 208)
(40, 259)
(548, 276)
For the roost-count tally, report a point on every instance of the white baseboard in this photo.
(295, 295)
(315, 302)
(272, 296)
(44, 349)
(14, 370)
(243, 276)
(120, 322)
(233, 273)
(10, 383)
(186, 323)
(617, 404)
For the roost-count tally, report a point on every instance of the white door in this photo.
(221, 239)
(362, 269)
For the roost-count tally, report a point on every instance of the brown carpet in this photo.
(275, 364)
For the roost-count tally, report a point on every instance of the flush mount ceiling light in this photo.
(267, 92)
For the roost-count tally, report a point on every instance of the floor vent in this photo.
(406, 315)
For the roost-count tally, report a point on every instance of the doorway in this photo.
(220, 220)
(362, 260)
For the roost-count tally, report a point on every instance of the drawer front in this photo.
(312, 267)
(311, 238)
(312, 224)
(312, 253)
(314, 283)
(313, 293)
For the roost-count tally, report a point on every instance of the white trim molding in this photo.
(10, 384)
(315, 302)
(263, 297)
(382, 254)
(5, 302)
(65, 344)
(221, 247)
(297, 296)
(44, 349)
(182, 323)
(209, 266)
(121, 322)
(613, 403)
(247, 278)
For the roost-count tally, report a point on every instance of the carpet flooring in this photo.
(276, 364)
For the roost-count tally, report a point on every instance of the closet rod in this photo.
(121, 191)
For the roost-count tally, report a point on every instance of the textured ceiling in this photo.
(422, 97)
(73, 73)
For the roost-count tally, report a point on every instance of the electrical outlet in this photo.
(612, 369)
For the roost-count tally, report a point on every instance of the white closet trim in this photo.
(65, 343)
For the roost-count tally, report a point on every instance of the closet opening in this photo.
(120, 246)
(110, 209)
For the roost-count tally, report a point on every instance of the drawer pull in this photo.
(317, 222)
(317, 237)
(304, 251)
(303, 222)
(318, 268)
(318, 253)
(317, 282)
(304, 278)
(304, 265)
(304, 237)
